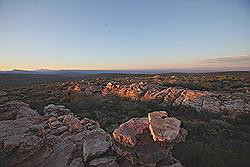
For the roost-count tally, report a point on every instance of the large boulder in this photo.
(96, 143)
(127, 132)
(148, 142)
(162, 127)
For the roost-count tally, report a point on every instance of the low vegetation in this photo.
(213, 139)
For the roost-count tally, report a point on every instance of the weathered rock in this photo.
(76, 163)
(10, 110)
(134, 141)
(61, 154)
(162, 127)
(96, 143)
(59, 130)
(55, 140)
(17, 136)
(237, 102)
(89, 124)
(127, 132)
(60, 139)
(82, 88)
(3, 93)
(175, 165)
(104, 162)
(55, 110)
(72, 122)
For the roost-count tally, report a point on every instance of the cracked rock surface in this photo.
(148, 141)
(60, 139)
(213, 101)
(57, 139)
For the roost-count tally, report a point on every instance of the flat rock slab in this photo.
(126, 133)
(95, 144)
(162, 127)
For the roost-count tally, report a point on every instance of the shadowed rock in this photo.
(104, 162)
(95, 144)
(76, 163)
(55, 110)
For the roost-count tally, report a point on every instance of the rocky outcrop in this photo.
(55, 110)
(128, 131)
(151, 89)
(60, 139)
(20, 133)
(237, 102)
(3, 93)
(3, 96)
(104, 162)
(84, 89)
(162, 127)
(56, 139)
(148, 141)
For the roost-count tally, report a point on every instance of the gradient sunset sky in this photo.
(124, 34)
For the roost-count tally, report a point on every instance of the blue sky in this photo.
(124, 34)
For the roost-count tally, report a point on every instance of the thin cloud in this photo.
(243, 59)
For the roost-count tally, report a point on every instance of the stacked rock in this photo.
(148, 141)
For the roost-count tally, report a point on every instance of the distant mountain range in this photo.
(81, 71)
(47, 71)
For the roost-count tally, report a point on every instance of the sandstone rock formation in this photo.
(84, 89)
(236, 102)
(60, 139)
(151, 89)
(56, 139)
(162, 127)
(128, 131)
(148, 142)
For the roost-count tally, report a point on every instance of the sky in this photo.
(124, 34)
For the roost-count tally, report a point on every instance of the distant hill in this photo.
(47, 71)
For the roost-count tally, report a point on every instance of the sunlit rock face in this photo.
(151, 89)
(81, 89)
(162, 127)
(57, 139)
(237, 102)
(148, 141)
(127, 132)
